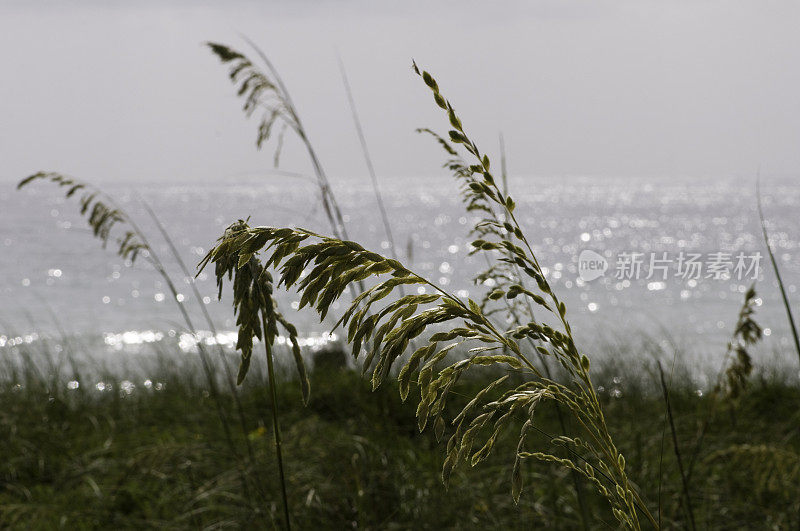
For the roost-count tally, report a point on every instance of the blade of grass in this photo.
(102, 199)
(676, 447)
(328, 199)
(576, 482)
(329, 202)
(275, 425)
(368, 160)
(212, 328)
(503, 169)
(775, 268)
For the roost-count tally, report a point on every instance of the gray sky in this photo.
(123, 90)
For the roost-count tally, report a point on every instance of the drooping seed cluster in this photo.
(99, 211)
(260, 93)
(253, 302)
(383, 323)
(746, 334)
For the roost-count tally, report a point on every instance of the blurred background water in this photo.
(644, 95)
(56, 276)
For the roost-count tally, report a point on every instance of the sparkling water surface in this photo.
(56, 277)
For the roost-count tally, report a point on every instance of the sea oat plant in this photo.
(321, 268)
(738, 361)
(252, 293)
(737, 365)
(265, 93)
(499, 275)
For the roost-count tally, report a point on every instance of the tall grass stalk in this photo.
(103, 215)
(676, 446)
(387, 226)
(213, 329)
(775, 268)
(503, 274)
(276, 430)
(732, 379)
(257, 317)
(503, 169)
(321, 268)
(268, 92)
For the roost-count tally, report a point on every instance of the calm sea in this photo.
(55, 276)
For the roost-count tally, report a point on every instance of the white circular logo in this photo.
(591, 265)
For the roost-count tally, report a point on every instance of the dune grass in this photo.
(89, 454)
(354, 458)
(321, 268)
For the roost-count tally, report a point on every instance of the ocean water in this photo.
(55, 277)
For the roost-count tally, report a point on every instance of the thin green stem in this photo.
(785, 298)
(503, 340)
(584, 374)
(154, 260)
(368, 161)
(676, 447)
(503, 172)
(328, 200)
(228, 374)
(275, 425)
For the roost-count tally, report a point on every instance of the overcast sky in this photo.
(124, 90)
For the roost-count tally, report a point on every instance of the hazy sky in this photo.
(123, 90)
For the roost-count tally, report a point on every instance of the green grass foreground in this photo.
(83, 459)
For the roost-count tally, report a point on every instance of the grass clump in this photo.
(321, 268)
(253, 302)
(501, 379)
(354, 457)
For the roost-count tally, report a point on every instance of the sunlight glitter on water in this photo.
(563, 216)
(188, 342)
